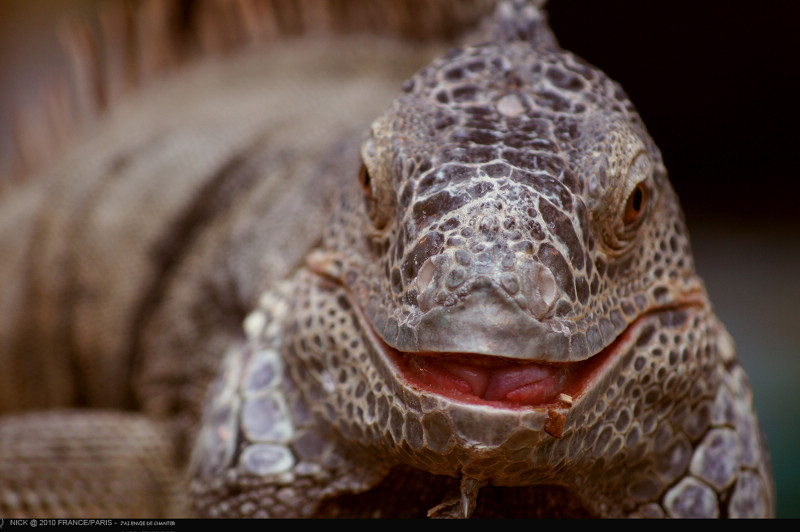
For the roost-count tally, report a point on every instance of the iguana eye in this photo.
(365, 179)
(636, 205)
(375, 198)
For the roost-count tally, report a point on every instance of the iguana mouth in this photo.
(503, 382)
(499, 381)
(506, 382)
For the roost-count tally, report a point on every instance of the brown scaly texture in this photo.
(499, 318)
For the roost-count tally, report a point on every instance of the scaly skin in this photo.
(503, 319)
(129, 266)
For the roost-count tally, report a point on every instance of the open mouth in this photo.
(499, 381)
(510, 383)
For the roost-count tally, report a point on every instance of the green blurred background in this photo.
(717, 85)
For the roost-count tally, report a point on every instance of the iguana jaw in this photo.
(499, 381)
(507, 383)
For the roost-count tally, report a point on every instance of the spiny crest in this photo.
(519, 20)
(131, 43)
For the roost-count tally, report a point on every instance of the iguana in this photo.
(483, 304)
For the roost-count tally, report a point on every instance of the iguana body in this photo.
(500, 317)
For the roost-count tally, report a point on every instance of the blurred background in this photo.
(717, 84)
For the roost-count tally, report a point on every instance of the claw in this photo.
(469, 495)
(459, 507)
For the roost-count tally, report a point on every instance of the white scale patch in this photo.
(510, 106)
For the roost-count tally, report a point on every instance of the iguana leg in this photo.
(65, 463)
(259, 452)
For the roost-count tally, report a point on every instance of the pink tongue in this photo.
(477, 378)
(528, 383)
(506, 380)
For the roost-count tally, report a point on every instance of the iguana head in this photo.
(515, 220)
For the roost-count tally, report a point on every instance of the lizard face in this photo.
(519, 220)
(508, 285)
